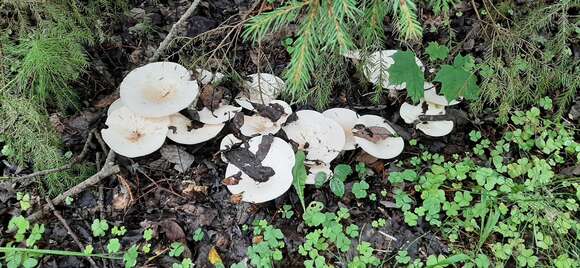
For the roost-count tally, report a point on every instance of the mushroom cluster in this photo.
(260, 154)
(148, 110)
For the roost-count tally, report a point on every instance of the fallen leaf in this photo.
(214, 257)
(211, 96)
(373, 134)
(177, 156)
(172, 230)
(236, 199)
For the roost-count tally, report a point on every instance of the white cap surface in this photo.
(387, 148)
(261, 88)
(131, 135)
(410, 113)
(220, 115)
(206, 77)
(158, 89)
(257, 124)
(346, 118)
(432, 97)
(435, 128)
(321, 138)
(181, 134)
(117, 104)
(280, 158)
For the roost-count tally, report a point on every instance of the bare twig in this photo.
(173, 31)
(68, 229)
(76, 160)
(108, 169)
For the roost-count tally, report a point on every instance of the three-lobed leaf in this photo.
(437, 51)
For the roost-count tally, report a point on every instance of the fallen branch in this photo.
(108, 169)
(173, 31)
(68, 229)
(76, 160)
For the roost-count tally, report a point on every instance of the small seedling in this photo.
(198, 235)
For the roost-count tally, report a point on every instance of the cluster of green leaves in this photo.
(329, 231)
(528, 57)
(330, 28)
(269, 242)
(518, 206)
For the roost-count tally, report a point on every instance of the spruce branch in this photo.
(272, 21)
(406, 17)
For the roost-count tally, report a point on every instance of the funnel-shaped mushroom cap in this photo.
(313, 170)
(262, 88)
(207, 77)
(432, 97)
(435, 128)
(220, 115)
(386, 148)
(257, 125)
(158, 89)
(410, 113)
(131, 135)
(376, 68)
(280, 158)
(346, 119)
(116, 105)
(228, 142)
(181, 131)
(322, 138)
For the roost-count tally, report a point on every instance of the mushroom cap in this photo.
(220, 115)
(258, 125)
(322, 138)
(314, 168)
(194, 136)
(410, 113)
(346, 118)
(280, 158)
(435, 128)
(388, 148)
(131, 135)
(158, 89)
(227, 142)
(431, 96)
(376, 67)
(262, 88)
(117, 104)
(207, 77)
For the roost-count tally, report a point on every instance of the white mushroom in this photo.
(322, 138)
(280, 157)
(180, 130)
(207, 77)
(220, 115)
(262, 88)
(410, 114)
(315, 168)
(158, 89)
(117, 104)
(346, 119)
(387, 148)
(435, 128)
(228, 142)
(257, 124)
(131, 135)
(432, 97)
(376, 67)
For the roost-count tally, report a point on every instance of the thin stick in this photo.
(108, 169)
(76, 160)
(68, 229)
(173, 31)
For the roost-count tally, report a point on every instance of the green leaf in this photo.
(319, 179)
(99, 227)
(300, 176)
(359, 189)
(342, 171)
(406, 70)
(337, 187)
(130, 257)
(466, 63)
(456, 81)
(436, 51)
(113, 246)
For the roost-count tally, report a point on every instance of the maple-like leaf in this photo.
(436, 51)
(406, 70)
(456, 81)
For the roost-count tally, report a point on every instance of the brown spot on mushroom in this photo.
(134, 136)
